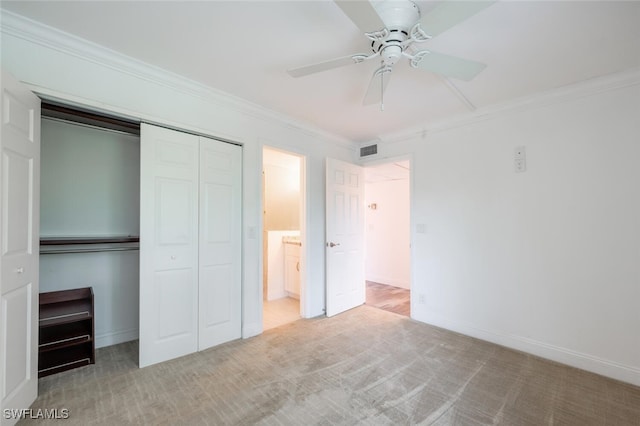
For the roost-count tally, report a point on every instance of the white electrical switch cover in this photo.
(519, 153)
(421, 228)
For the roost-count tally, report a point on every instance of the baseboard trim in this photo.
(559, 354)
(116, 337)
(389, 281)
(276, 295)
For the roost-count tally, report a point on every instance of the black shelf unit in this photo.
(67, 331)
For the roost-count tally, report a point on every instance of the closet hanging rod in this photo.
(86, 250)
(60, 241)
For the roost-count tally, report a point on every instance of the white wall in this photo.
(546, 261)
(387, 233)
(90, 181)
(282, 196)
(55, 64)
(114, 277)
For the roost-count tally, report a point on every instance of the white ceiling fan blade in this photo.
(327, 65)
(449, 14)
(377, 86)
(448, 66)
(362, 13)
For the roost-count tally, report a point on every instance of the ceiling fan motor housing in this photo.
(399, 17)
(398, 14)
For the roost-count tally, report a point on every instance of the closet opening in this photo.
(283, 237)
(387, 236)
(89, 219)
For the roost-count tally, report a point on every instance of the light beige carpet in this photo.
(366, 366)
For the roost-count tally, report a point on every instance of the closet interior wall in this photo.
(90, 189)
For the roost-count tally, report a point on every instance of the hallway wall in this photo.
(387, 233)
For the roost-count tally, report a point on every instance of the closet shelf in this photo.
(59, 241)
(58, 245)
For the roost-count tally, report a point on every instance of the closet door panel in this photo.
(171, 295)
(220, 242)
(218, 223)
(219, 295)
(176, 225)
(168, 244)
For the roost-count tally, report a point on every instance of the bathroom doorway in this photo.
(283, 237)
(387, 236)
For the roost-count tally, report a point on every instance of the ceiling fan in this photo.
(395, 28)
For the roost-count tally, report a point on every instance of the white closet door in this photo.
(168, 244)
(19, 236)
(220, 237)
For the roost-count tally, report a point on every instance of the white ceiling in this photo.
(245, 47)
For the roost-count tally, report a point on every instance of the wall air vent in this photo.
(366, 151)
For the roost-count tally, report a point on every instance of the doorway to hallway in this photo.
(387, 236)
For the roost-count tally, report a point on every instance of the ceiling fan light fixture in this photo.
(391, 54)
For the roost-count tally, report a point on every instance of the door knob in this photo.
(333, 244)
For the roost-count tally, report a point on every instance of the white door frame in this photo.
(305, 299)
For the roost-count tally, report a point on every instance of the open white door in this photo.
(220, 237)
(345, 236)
(168, 244)
(19, 257)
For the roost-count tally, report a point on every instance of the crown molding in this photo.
(555, 96)
(35, 32)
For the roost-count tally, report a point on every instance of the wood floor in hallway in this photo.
(389, 298)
